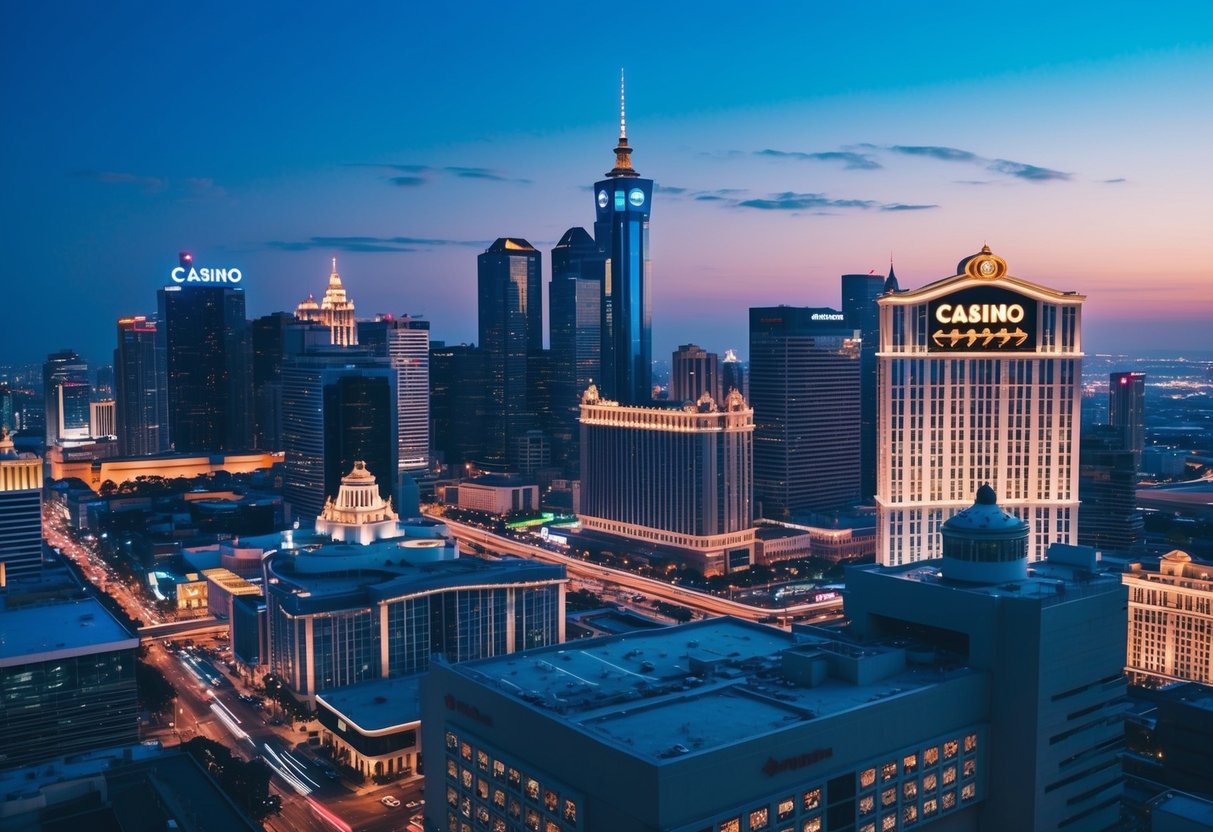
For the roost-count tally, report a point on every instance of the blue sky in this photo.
(790, 143)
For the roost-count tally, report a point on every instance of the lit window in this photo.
(888, 797)
(867, 777)
(787, 808)
(515, 809)
(909, 814)
(949, 775)
(482, 788)
(888, 771)
(550, 801)
(970, 742)
(452, 770)
(499, 798)
(499, 769)
(970, 768)
(465, 750)
(909, 764)
(949, 800)
(532, 820)
(515, 777)
(759, 818)
(482, 760)
(811, 825)
(499, 825)
(888, 823)
(465, 807)
(929, 782)
(532, 788)
(482, 816)
(868, 827)
(731, 825)
(949, 749)
(812, 799)
(931, 756)
(551, 826)
(467, 778)
(452, 741)
(570, 811)
(867, 804)
(452, 796)
(909, 790)
(929, 807)
(969, 791)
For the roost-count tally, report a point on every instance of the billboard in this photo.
(982, 319)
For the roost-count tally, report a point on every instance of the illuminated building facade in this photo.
(510, 307)
(693, 372)
(101, 419)
(805, 391)
(978, 382)
(679, 478)
(359, 513)
(621, 228)
(141, 394)
(405, 341)
(208, 354)
(1170, 636)
(859, 293)
(20, 512)
(335, 311)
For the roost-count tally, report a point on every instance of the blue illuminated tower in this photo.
(621, 229)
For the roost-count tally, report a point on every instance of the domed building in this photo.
(335, 310)
(984, 544)
(358, 514)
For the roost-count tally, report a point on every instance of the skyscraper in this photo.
(1107, 489)
(207, 354)
(67, 390)
(405, 342)
(575, 315)
(141, 404)
(733, 375)
(335, 310)
(979, 382)
(693, 372)
(1127, 411)
(622, 231)
(338, 408)
(269, 337)
(459, 404)
(20, 512)
(804, 388)
(859, 293)
(511, 326)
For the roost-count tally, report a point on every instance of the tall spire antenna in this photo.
(623, 120)
(334, 264)
(623, 153)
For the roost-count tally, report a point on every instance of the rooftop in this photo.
(665, 693)
(377, 705)
(59, 630)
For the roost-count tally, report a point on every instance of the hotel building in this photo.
(335, 310)
(978, 381)
(982, 701)
(678, 478)
(20, 512)
(1170, 621)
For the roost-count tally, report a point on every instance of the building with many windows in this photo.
(68, 675)
(1170, 636)
(335, 311)
(973, 703)
(693, 372)
(141, 394)
(66, 389)
(1127, 410)
(20, 512)
(806, 394)
(674, 477)
(405, 342)
(979, 380)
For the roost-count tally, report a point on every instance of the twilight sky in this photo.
(790, 142)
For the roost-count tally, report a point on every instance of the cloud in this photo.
(407, 181)
(416, 174)
(850, 160)
(370, 244)
(668, 189)
(820, 203)
(943, 154)
(1032, 173)
(203, 187)
(150, 184)
(1118, 180)
(1018, 170)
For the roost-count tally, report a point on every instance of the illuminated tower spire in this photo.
(623, 153)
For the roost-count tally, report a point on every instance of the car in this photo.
(412, 804)
(389, 801)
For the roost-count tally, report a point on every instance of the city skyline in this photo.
(786, 150)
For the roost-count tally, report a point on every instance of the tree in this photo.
(246, 783)
(156, 693)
